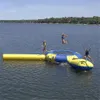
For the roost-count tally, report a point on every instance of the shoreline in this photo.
(47, 23)
(95, 20)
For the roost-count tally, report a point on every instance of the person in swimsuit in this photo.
(63, 39)
(87, 54)
(44, 46)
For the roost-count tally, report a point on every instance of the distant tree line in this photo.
(72, 20)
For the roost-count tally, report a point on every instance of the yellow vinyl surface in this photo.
(50, 57)
(33, 57)
(79, 62)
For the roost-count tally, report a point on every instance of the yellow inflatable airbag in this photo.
(36, 57)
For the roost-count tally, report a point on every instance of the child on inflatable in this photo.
(87, 54)
(44, 46)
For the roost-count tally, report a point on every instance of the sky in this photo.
(39, 9)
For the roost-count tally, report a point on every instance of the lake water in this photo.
(31, 80)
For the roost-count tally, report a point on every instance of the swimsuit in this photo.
(86, 53)
(63, 37)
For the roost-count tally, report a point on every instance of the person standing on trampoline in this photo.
(87, 54)
(44, 46)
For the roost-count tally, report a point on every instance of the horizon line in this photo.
(54, 17)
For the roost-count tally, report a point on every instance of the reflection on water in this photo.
(22, 63)
(32, 79)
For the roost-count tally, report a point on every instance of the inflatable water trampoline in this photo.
(79, 63)
(71, 57)
(55, 56)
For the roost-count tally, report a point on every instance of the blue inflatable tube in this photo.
(64, 52)
(61, 55)
(61, 58)
(70, 52)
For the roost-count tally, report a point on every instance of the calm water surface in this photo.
(31, 80)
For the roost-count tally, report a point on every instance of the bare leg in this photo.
(84, 57)
(90, 58)
(44, 50)
(64, 41)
